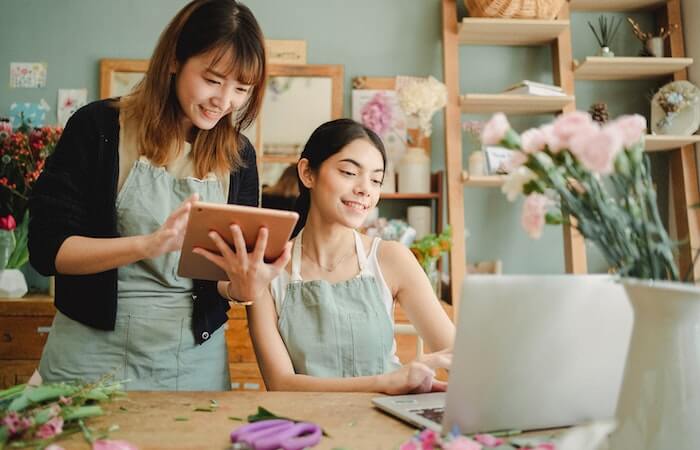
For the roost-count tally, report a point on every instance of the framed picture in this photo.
(497, 159)
(119, 76)
(298, 98)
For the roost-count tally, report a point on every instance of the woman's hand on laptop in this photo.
(418, 377)
(438, 360)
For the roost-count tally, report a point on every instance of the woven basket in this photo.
(516, 9)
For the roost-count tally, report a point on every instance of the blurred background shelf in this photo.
(487, 31)
(482, 180)
(615, 5)
(628, 68)
(660, 143)
(513, 104)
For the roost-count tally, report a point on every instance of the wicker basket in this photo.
(516, 9)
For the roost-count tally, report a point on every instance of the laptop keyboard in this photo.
(434, 414)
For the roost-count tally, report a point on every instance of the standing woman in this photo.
(109, 211)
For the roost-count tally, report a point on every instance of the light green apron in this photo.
(152, 344)
(336, 329)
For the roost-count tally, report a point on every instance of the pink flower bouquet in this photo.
(600, 176)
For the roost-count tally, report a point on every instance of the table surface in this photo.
(149, 419)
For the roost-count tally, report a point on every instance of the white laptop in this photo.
(529, 356)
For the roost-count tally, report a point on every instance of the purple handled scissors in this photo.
(276, 434)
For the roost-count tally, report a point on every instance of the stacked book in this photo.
(527, 87)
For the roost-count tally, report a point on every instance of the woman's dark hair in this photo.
(326, 141)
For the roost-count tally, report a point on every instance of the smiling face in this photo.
(347, 185)
(207, 92)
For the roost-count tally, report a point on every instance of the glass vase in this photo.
(7, 245)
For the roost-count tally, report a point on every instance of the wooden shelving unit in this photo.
(615, 5)
(628, 68)
(486, 31)
(557, 35)
(514, 104)
(404, 196)
(662, 143)
(486, 181)
(289, 159)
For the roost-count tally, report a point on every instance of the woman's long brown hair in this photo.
(222, 27)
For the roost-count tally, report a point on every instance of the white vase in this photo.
(12, 283)
(414, 171)
(659, 403)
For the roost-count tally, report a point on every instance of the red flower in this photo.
(8, 223)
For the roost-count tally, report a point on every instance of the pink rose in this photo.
(50, 428)
(462, 443)
(428, 439)
(570, 124)
(632, 127)
(495, 129)
(8, 223)
(487, 439)
(546, 446)
(533, 219)
(410, 445)
(533, 140)
(596, 150)
(376, 114)
(553, 143)
(108, 444)
(515, 161)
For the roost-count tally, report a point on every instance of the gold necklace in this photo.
(326, 269)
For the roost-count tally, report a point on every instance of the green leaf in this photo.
(237, 419)
(13, 391)
(46, 392)
(20, 254)
(81, 412)
(181, 419)
(19, 403)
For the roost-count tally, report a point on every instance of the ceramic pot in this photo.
(659, 403)
(12, 283)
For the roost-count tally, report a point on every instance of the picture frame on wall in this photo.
(119, 76)
(497, 159)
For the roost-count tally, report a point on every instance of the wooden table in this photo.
(148, 419)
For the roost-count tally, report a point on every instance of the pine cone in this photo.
(599, 112)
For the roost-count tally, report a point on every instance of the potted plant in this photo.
(599, 176)
(23, 153)
(428, 251)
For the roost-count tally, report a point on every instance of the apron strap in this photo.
(296, 258)
(361, 255)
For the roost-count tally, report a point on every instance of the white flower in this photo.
(422, 98)
(515, 181)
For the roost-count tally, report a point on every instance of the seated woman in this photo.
(326, 323)
(283, 194)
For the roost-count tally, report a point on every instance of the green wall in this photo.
(369, 37)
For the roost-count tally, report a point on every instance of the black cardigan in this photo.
(76, 195)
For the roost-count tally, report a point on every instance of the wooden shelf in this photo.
(487, 31)
(289, 159)
(661, 143)
(514, 104)
(615, 5)
(483, 180)
(408, 196)
(628, 68)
